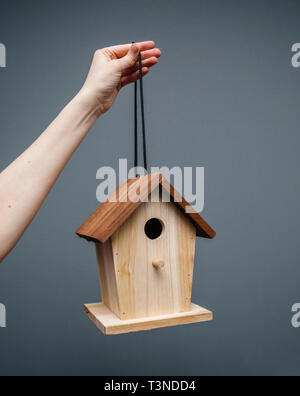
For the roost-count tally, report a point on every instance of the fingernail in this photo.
(135, 48)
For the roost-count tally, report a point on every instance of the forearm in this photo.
(25, 184)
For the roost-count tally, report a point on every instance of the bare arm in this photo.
(25, 184)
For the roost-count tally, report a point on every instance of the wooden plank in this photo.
(110, 216)
(107, 273)
(144, 290)
(110, 324)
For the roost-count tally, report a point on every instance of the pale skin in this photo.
(25, 184)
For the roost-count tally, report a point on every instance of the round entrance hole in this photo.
(154, 228)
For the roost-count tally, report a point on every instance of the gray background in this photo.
(225, 97)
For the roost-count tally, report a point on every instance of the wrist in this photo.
(89, 102)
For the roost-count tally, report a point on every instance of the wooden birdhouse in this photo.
(145, 253)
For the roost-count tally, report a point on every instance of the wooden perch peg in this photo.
(158, 264)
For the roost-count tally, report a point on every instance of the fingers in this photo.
(133, 77)
(121, 50)
(150, 58)
(146, 63)
(153, 53)
(126, 58)
(129, 60)
(128, 64)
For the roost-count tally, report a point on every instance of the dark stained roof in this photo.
(112, 214)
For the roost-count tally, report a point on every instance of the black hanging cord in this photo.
(135, 128)
(143, 112)
(136, 118)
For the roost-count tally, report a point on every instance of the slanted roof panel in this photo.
(110, 216)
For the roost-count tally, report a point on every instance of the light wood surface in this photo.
(110, 324)
(144, 291)
(110, 216)
(108, 280)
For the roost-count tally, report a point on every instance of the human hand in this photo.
(112, 69)
(38, 168)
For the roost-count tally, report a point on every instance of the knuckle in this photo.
(97, 53)
(108, 53)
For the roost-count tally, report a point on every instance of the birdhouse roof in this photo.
(112, 214)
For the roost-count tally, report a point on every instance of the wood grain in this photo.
(110, 324)
(110, 216)
(108, 280)
(144, 291)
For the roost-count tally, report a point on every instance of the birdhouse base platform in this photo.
(110, 324)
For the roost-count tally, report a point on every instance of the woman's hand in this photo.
(113, 68)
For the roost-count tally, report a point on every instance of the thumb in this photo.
(130, 59)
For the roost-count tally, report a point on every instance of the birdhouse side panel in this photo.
(107, 273)
(182, 249)
(154, 272)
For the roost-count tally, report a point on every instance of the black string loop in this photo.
(136, 117)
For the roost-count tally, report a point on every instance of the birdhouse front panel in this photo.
(153, 261)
